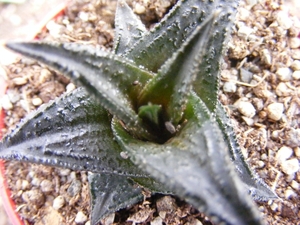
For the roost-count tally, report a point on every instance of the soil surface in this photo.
(260, 87)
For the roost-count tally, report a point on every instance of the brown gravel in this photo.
(262, 99)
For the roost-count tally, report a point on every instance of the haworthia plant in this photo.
(146, 116)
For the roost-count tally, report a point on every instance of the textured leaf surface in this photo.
(156, 46)
(173, 82)
(207, 84)
(258, 189)
(71, 132)
(128, 28)
(207, 81)
(111, 192)
(103, 74)
(196, 166)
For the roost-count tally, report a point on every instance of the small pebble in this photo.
(37, 101)
(296, 75)
(46, 186)
(157, 221)
(70, 87)
(295, 65)
(282, 90)
(284, 20)
(284, 74)
(260, 164)
(36, 181)
(297, 151)
(290, 166)
(248, 121)
(84, 16)
(74, 188)
(162, 214)
(246, 108)
(6, 103)
(25, 105)
(139, 9)
(274, 207)
(266, 57)
(295, 42)
(19, 80)
(80, 218)
(293, 138)
(229, 87)
(295, 53)
(124, 155)
(244, 32)
(73, 175)
(275, 111)
(246, 76)
(258, 103)
(25, 185)
(58, 202)
(284, 153)
(295, 185)
(166, 203)
(34, 196)
(45, 75)
(13, 95)
(289, 193)
(108, 220)
(264, 157)
(64, 172)
(244, 14)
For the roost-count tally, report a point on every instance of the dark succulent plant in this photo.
(146, 113)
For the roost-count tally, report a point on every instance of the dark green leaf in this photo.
(172, 85)
(128, 28)
(111, 192)
(196, 166)
(103, 74)
(72, 132)
(156, 46)
(207, 81)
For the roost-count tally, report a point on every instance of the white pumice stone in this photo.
(284, 153)
(58, 202)
(247, 109)
(275, 111)
(229, 87)
(296, 75)
(290, 166)
(284, 74)
(80, 218)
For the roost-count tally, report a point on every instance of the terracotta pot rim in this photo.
(5, 193)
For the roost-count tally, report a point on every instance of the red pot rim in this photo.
(5, 193)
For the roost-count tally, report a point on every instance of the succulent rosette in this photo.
(145, 115)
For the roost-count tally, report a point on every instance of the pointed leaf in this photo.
(170, 88)
(207, 81)
(128, 27)
(258, 189)
(71, 132)
(195, 164)
(109, 193)
(104, 75)
(156, 46)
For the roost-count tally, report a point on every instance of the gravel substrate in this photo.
(260, 87)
